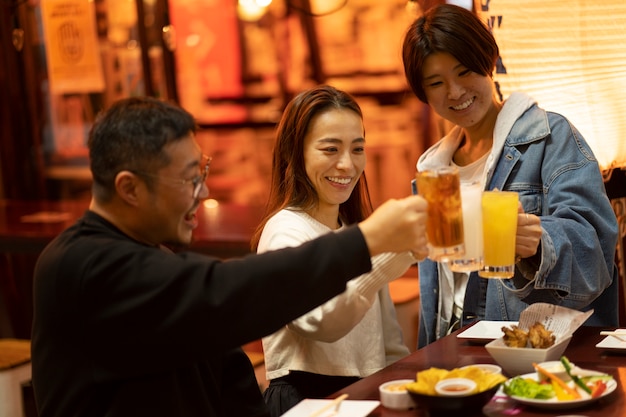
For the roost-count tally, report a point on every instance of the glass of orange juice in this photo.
(499, 228)
(441, 188)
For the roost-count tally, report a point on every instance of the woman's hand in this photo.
(528, 234)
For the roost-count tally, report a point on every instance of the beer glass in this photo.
(499, 229)
(471, 204)
(444, 228)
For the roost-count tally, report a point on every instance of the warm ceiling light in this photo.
(252, 10)
(211, 203)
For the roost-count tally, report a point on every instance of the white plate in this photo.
(348, 408)
(553, 403)
(613, 343)
(485, 331)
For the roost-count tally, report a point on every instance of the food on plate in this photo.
(569, 367)
(540, 337)
(561, 387)
(555, 367)
(514, 336)
(426, 380)
(537, 335)
(584, 384)
(546, 390)
(528, 388)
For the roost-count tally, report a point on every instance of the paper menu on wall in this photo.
(561, 321)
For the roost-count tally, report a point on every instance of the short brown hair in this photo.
(451, 29)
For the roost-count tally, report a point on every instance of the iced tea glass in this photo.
(471, 203)
(444, 228)
(499, 228)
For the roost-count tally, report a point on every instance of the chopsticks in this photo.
(334, 403)
(618, 334)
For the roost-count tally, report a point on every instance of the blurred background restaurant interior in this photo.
(234, 64)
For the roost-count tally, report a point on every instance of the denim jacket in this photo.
(547, 161)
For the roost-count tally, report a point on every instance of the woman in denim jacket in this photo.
(567, 230)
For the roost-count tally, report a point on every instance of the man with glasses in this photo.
(124, 327)
(196, 182)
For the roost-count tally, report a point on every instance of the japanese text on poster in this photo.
(73, 54)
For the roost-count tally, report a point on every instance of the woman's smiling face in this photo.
(455, 92)
(334, 155)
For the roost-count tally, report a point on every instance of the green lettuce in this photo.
(528, 388)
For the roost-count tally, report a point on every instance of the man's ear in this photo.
(129, 187)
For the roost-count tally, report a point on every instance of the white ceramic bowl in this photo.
(393, 395)
(517, 361)
(554, 367)
(455, 387)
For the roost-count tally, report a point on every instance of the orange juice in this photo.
(499, 229)
(441, 188)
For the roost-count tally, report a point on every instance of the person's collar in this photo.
(442, 152)
(512, 110)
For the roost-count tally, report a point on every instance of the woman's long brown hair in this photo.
(290, 185)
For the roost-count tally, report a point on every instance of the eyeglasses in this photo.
(196, 181)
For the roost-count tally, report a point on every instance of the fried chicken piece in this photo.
(540, 337)
(514, 336)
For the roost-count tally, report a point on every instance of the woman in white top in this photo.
(318, 186)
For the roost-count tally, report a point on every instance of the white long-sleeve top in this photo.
(355, 333)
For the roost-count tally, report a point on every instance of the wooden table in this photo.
(26, 227)
(451, 352)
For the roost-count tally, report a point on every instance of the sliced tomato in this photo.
(598, 388)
